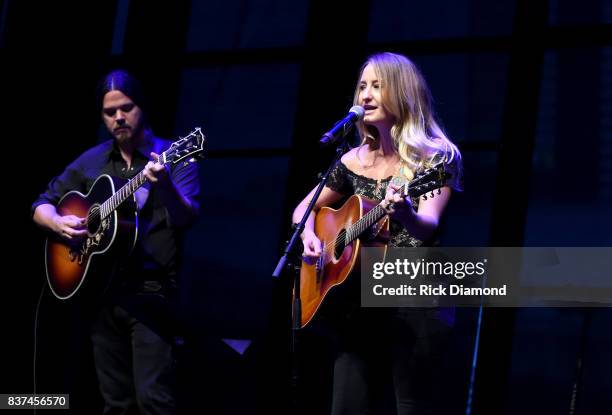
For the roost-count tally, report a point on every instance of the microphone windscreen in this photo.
(358, 110)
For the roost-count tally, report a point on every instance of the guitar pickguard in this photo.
(90, 243)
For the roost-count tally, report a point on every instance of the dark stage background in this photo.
(524, 87)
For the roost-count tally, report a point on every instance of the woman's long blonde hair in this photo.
(417, 137)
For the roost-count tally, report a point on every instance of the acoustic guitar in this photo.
(359, 222)
(112, 226)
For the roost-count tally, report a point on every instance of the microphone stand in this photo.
(578, 375)
(292, 260)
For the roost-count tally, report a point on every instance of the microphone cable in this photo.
(34, 355)
(470, 397)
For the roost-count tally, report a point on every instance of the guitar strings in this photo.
(96, 210)
(357, 225)
(332, 247)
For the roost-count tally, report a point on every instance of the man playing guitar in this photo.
(130, 331)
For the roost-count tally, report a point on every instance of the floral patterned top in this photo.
(346, 182)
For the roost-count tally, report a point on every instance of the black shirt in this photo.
(158, 243)
(346, 182)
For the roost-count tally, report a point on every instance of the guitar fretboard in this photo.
(126, 191)
(356, 229)
(359, 227)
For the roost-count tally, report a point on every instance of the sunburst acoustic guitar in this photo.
(112, 226)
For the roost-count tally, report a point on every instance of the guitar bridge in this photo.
(319, 265)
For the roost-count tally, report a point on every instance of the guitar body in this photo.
(69, 265)
(336, 262)
(112, 225)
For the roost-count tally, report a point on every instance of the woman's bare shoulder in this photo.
(349, 159)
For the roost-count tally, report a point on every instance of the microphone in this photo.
(343, 126)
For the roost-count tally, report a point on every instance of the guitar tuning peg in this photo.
(431, 194)
(424, 197)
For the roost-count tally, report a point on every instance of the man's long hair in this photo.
(121, 80)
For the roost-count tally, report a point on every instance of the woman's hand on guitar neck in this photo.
(397, 205)
(421, 223)
(312, 246)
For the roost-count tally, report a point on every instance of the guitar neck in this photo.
(124, 192)
(356, 229)
(188, 146)
(377, 213)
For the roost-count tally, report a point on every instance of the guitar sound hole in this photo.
(340, 245)
(93, 220)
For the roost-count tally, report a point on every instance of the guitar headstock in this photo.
(188, 146)
(426, 181)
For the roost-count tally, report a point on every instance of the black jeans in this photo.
(390, 353)
(134, 363)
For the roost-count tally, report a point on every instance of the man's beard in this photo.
(128, 135)
(123, 136)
